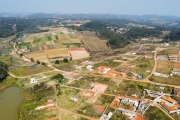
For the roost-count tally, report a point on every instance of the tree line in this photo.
(115, 40)
(3, 71)
(12, 26)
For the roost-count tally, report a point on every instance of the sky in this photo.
(126, 7)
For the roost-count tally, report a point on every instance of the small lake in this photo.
(10, 99)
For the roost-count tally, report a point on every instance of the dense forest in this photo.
(173, 36)
(3, 71)
(11, 26)
(115, 39)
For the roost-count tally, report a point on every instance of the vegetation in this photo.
(154, 113)
(24, 71)
(117, 40)
(7, 27)
(58, 77)
(65, 60)
(3, 71)
(109, 62)
(118, 116)
(35, 96)
(104, 100)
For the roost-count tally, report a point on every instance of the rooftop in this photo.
(169, 99)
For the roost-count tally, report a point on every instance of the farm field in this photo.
(92, 43)
(53, 45)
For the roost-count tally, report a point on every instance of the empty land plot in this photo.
(142, 65)
(99, 87)
(94, 44)
(99, 109)
(154, 113)
(164, 66)
(56, 53)
(78, 53)
(23, 71)
(85, 95)
(168, 51)
(105, 100)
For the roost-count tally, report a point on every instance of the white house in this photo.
(33, 80)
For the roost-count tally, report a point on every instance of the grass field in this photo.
(154, 113)
(118, 116)
(79, 106)
(168, 51)
(172, 80)
(142, 65)
(109, 62)
(164, 67)
(24, 45)
(23, 71)
(104, 100)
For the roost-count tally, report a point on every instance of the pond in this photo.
(10, 99)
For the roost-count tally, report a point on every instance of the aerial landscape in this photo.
(90, 60)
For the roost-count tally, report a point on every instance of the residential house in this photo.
(169, 104)
(160, 75)
(162, 57)
(33, 80)
(176, 66)
(174, 57)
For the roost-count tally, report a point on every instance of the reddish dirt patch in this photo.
(56, 118)
(98, 87)
(115, 74)
(99, 109)
(86, 94)
(139, 117)
(115, 104)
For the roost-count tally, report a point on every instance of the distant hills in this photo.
(91, 16)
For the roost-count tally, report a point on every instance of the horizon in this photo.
(119, 7)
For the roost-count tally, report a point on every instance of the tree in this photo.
(43, 63)
(58, 77)
(71, 59)
(32, 59)
(65, 60)
(57, 62)
(21, 54)
(3, 71)
(38, 62)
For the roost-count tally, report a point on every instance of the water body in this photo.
(10, 99)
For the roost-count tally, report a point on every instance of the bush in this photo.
(65, 60)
